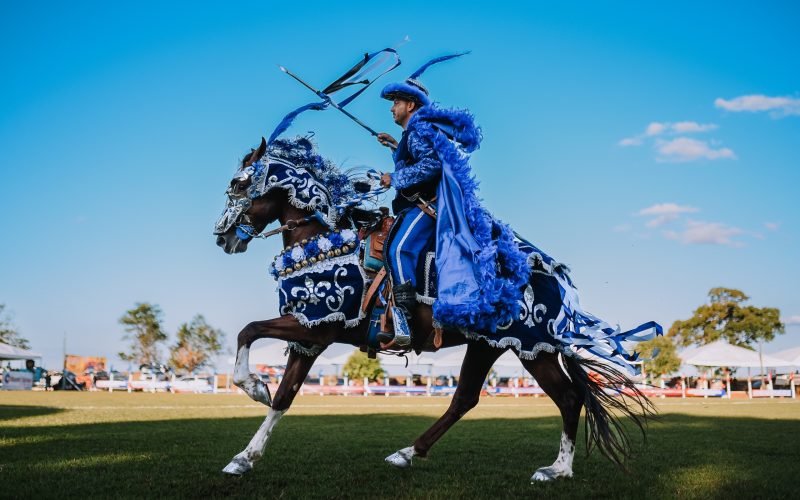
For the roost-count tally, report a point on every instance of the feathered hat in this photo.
(412, 89)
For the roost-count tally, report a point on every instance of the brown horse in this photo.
(563, 377)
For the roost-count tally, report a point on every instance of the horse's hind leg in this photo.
(282, 328)
(297, 369)
(478, 361)
(548, 371)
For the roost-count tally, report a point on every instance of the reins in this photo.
(290, 225)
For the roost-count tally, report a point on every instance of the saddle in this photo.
(374, 231)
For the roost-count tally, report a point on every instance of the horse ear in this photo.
(257, 153)
(262, 148)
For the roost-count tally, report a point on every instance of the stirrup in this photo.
(402, 332)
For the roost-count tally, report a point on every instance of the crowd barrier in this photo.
(366, 389)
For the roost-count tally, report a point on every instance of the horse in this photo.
(564, 377)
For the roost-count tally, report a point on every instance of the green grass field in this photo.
(144, 445)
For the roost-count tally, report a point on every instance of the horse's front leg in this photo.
(477, 362)
(297, 369)
(282, 328)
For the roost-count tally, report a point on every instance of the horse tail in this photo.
(603, 426)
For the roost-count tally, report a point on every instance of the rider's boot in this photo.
(405, 300)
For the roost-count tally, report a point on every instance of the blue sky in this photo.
(653, 148)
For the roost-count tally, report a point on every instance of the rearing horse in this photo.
(258, 197)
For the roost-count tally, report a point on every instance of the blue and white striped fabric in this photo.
(552, 319)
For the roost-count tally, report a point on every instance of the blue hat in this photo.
(412, 89)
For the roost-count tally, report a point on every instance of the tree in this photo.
(8, 332)
(197, 343)
(360, 366)
(665, 361)
(727, 316)
(144, 330)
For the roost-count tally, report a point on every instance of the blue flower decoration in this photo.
(287, 259)
(312, 249)
(336, 240)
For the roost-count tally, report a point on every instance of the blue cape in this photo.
(480, 266)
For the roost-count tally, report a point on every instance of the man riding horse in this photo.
(480, 268)
(494, 289)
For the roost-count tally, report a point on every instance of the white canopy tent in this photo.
(721, 353)
(268, 353)
(11, 352)
(791, 357)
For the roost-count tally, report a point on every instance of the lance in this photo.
(330, 101)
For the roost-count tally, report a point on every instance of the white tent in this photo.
(11, 352)
(269, 353)
(721, 353)
(452, 358)
(790, 356)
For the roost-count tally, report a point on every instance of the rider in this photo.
(480, 268)
(416, 178)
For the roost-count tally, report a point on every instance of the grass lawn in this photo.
(102, 445)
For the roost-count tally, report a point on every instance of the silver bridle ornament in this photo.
(238, 202)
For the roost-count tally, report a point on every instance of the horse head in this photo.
(247, 211)
(283, 180)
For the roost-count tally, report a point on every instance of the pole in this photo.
(728, 377)
(761, 362)
(330, 101)
(64, 369)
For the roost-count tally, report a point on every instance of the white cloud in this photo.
(691, 127)
(683, 149)
(655, 129)
(779, 106)
(706, 233)
(772, 226)
(792, 320)
(665, 213)
(661, 220)
(630, 141)
(667, 208)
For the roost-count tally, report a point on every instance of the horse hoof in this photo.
(238, 466)
(401, 459)
(258, 391)
(546, 474)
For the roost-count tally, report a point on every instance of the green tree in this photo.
(144, 329)
(665, 361)
(197, 344)
(359, 366)
(726, 316)
(8, 332)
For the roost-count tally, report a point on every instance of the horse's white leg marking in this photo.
(402, 458)
(250, 383)
(562, 467)
(243, 462)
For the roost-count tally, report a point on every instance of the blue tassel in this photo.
(437, 60)
(288, 119)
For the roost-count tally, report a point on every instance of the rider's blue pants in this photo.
(412, 234)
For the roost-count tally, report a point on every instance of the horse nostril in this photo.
(220, 241)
